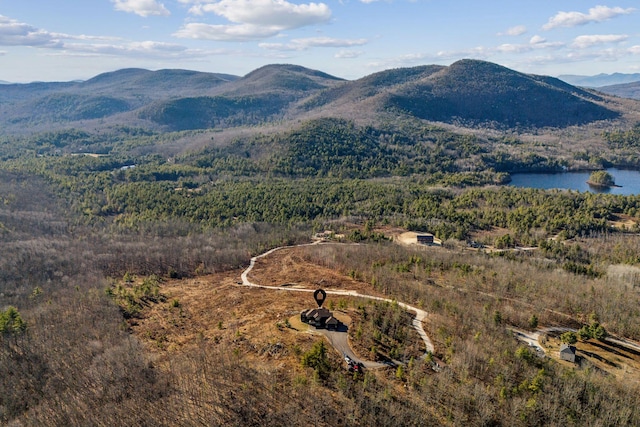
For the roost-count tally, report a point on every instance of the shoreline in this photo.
(597, 184)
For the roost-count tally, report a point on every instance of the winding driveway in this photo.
(340, 343)
(339, 339)
(533, 337)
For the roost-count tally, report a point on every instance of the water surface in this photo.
(628, 180)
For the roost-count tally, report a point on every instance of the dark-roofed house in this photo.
(320, 318)
(568, 353)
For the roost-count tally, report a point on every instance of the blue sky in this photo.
(60, 40)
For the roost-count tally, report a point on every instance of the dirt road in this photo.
(532, 338)
(340, 341)
(420, 315)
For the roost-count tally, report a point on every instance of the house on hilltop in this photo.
(568, 353)
(320, 318)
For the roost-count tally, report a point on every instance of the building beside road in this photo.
(568, 353)
(425, 239)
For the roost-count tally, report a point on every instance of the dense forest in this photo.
(55, 273)
(105, 225)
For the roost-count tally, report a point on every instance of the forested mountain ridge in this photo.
(624, 90)
(479, 92)
(369, 86)
(39, 105)
(282, 77)
(261, 96)
(468, 93)
(124, 83)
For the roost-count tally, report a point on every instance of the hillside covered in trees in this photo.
(468, 92)
(130, 205)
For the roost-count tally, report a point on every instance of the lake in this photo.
(628, 180)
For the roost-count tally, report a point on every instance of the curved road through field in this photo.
(339, 339)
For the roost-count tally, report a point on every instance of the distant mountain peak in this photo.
(288, 68)
(118, 74)
(475, 92)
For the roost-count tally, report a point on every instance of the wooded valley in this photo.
(123, 243)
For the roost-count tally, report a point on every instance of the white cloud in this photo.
(84, 37)
(513, 48)
(348, 54)
(596, 14)
(582, 42)
(479, 52)
(145, 49)
(278, 46)
(635, 50)
(518, 30)
(307, 43)
(278, 13)
(330, 42)
(196, 8)
(195, 2)
(537, 40)
(606, 55)
(14, 33)
(569, 58)
(252, 19)
(245, 32)
(141, 7)
(400, 61)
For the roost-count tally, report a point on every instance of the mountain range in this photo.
(468, 93)
(600, 80)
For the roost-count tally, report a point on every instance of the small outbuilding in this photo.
(425, 239)
(568, 353)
